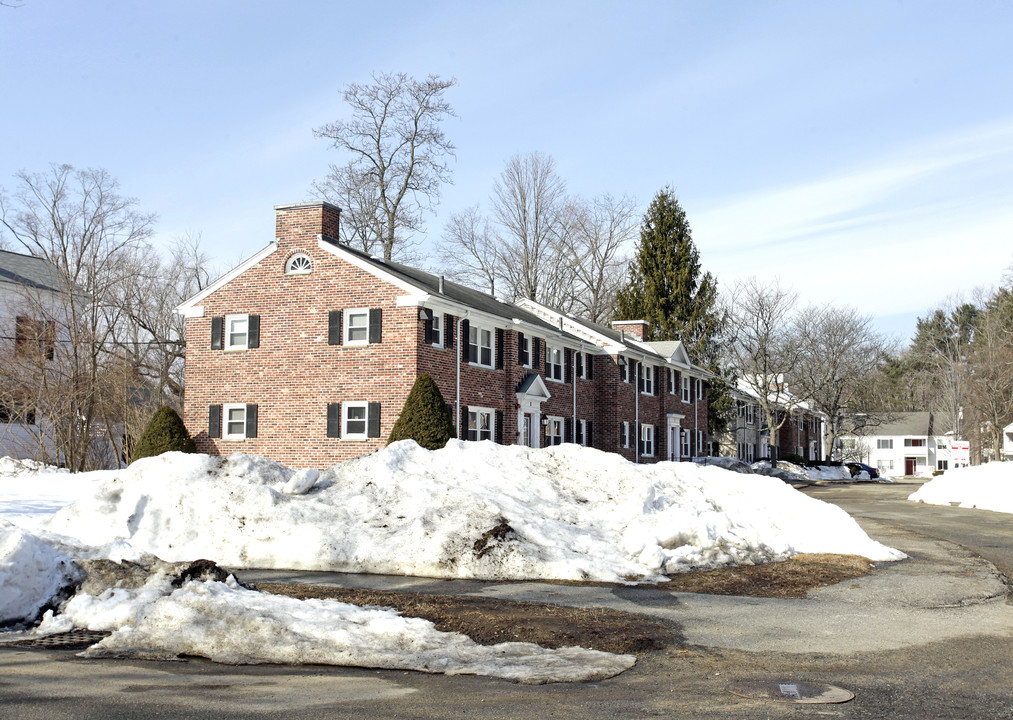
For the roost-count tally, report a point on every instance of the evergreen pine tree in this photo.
(666, 288)
(424, 418)
(165, 432)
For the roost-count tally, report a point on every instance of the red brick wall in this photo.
(294, 373)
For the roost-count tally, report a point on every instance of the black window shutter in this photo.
(578, 436)
(568, 365)
(428, 325)
(334, 327)
(450, 412)
(464, 422)
(589, 440)
(623, 369)
(567, 430)
(499, 348)
(536, 346)
(215, 421)
(589, 359)
(465, 339)
(579, 363)
(373, 419)
(521, 359)
(251, 421)
(333, 420)
(499, 427)
(217, 332)
(548, 357)
(448, 331)
(640, 378)
(375, 325)
(253, 332)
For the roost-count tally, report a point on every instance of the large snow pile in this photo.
(32, 572)
(469, 510)
(227, 623)
(989, 487)
(30, 492)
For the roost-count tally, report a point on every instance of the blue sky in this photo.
(861, 152)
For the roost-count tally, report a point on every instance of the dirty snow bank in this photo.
(470, 510)
(230, 624)
(989, 487)
(32, 572)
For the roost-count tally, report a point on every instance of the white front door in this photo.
(673, 437)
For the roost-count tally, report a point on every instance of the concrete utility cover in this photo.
(789, 691)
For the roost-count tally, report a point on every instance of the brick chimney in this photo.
(302, 222)
(636, 328)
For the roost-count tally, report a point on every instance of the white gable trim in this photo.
(597, 339)
(190, 308)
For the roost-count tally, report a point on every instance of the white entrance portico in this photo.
(674, 437)
(531, 393)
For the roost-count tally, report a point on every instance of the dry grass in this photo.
(488, 621)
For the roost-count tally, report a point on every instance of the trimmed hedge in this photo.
(165, 432)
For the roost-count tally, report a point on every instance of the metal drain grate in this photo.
(70, 640)
(789, 691)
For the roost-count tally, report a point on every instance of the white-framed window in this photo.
(554, 363)
(356, 330)
(799, 425)
(437, 330)
(699, 389)
(237, 332)
(582, 437)
(480, 346)
(942, 465)
(299, 264)
(582, 362)
(699, 442)
(481, 423)
(647, 440)
(624, 369)
(750, 452)
(672, 379)
(554, 431)
(646, 379)
(526, 347)
(882, 465)
(233, 421)
(684, 436)
(882, 444)
(685, 389)
(354, 420)
(624, 434)
(750, 414)
(914, 442)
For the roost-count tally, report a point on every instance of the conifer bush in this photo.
(165, 432)
(424, 418)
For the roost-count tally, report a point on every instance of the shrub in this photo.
(424, 418)
(793, 458)
(165, 432)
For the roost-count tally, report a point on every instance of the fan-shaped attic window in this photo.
(299, 264)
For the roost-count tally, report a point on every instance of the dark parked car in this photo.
(856, 468)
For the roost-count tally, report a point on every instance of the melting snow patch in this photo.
(989, 487)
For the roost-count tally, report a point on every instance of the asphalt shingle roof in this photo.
(29, 271)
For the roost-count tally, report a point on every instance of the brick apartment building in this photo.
(306, 353)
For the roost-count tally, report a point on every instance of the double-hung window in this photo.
(624, 434)
(647, 440)
(884, 443)
(481, 423)
(554, 431)
(480, 346)
(356, 330)
(646, 379)
(750, 414)
(914, 442)
(437, 330)
(524, 349)
(583, 433)
(686, 389)
(672, 379)
(237, 332)
(354, 420)
(554, 363)
(686, 452)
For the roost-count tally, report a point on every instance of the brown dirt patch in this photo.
(488, 621)
(791, 579)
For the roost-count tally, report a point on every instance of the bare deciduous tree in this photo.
(398, 159)
(95, 238)
(469, 249)
(530, 204)
(839, 351)
(602, 231)
(763, 348)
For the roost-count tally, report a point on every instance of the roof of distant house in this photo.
(29, 271)
(916, 424)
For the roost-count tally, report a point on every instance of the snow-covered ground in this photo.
(470, 510)
(989, 487)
